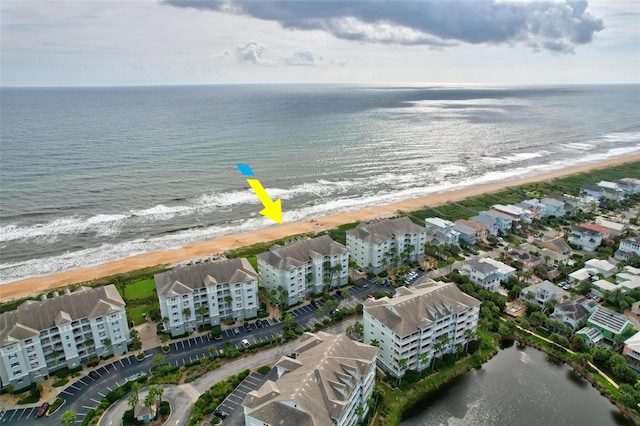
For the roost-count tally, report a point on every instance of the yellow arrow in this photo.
(272, 209)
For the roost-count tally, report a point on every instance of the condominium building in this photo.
(207, 293)
(328, 383)
(629, 247)
(419, 324)
(380, 244)
(304, 267)
(40, 337)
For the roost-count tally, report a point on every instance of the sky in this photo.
(151, 42)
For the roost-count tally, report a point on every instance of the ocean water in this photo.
(89, 175)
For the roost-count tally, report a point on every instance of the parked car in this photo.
(221, 414)
(259, 324)
(42, 410)
(246, 343)
(210, 335)
(236, 330)
(314, 303)
(94, 374)
(136, 376)
(247, 327)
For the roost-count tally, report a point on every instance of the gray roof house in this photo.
(543, 292)
(329, 378)
(574, 310)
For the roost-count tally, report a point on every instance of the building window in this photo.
(15, 364)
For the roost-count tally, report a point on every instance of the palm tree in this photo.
(375, 343)
(157, 391)
(201, 311)
(132, 400)
(68, 418)
(149, 400)
(469, 336)
(165, 321)
(359, 410)
(422, 359)
(135, 387)
(187, 314)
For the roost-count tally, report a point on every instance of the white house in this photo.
(631, 351)
(534, 205)
(444, 228)
(40, 337)
(379, 244)
(304, 267)
(207, 293)
(542, 293)
(615, 228)
(612, 190)
(518, 214)
(419, 324)
(482, 273)
(328, 383)
(594, 191)
(573, 312)
(504, 271)
(585, 238)
(630, 185)
(628, 248)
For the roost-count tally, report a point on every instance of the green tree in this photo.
(132, 400)
(149, 400)
(201, 311)
(375, 343)
(402, 365)
(68, 418)
(135, 388)
(158, 359)
(157, 391)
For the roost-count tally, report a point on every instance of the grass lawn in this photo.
(140, 289)
(135, 314)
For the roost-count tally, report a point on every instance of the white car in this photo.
(246, 343)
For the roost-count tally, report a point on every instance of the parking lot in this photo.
(232, 405)
(79, 387)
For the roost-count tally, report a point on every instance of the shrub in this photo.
(56, 404)
(60, 382)
(264, 369)
(87, 419)
(165, 408)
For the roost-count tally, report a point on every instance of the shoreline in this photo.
(30, 286)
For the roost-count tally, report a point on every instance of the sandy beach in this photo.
(30, 286)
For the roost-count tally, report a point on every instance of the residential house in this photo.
(327, 383)
(542, 293)
(304, 267)
(574, 311)
(630, 185)
(574, 205)
(40, 337)
(612, 190)
(585, 238)
(518, 214)
(207, 294)
(504, 271)
(553, 207)
(482, 273)
(379, 244)
(503, 220)
(611, 324)
(635, 308)
(522, 255)
(553, 259)
(628, 248)
(605, 232)
(629, 278)
(489, 223)
(444, 228)
(599, 287)
(556, 244)
(593, 269)
(614, 229)
(595, 192)
(468, 234)
(592, 336)
(631, 351)
(533, 205)
(419, 324)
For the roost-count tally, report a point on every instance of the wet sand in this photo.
(33, 285)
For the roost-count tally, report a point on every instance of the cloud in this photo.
(251, 52)
(258, 54)
(539, 24)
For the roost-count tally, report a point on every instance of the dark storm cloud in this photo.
(557, 26)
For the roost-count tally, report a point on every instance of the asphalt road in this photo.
(86, 393)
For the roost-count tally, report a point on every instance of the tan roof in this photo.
(300, 252)
(383, 230)
(185, 279)
(317, 384)
(32, 317)
(472, 224)
(416, 307)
